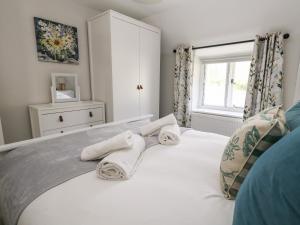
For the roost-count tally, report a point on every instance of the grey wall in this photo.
(23, 79)
(166, 85)
(214, 21)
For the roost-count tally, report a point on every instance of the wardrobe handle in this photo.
(61, 119)
(91, 114)
(138, 87)
(141, 87)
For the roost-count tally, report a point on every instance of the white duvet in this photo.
(174, 185)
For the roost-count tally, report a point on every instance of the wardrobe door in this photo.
(149, 72)
(125, 69)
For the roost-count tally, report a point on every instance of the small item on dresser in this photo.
(61, 85)
(169, 135)
(121, 165)
(101, 149)
(154, 126)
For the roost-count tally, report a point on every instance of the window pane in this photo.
(240, 76)
(215, 82)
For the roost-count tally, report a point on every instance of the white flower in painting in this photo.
(41, 23)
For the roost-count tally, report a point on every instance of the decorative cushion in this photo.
(270, 195)
(293, 116)
(255, 136)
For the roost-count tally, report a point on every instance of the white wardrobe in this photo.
(125, 65)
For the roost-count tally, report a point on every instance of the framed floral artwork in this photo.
(56, 42)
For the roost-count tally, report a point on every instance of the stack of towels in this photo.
(166, 128)
(122, 153)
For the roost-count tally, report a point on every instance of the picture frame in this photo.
(56, 42)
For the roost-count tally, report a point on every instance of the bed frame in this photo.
(8, 147)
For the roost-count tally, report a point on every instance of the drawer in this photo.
(71, 118)
(67, 129)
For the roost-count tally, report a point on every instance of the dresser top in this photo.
(52, 106)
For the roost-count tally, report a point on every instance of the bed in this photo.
(172, 185)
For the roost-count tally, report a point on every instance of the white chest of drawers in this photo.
(57, 118)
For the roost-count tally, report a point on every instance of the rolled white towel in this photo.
(101, 149)
(154, 126)
(122, 164)
(169, 135)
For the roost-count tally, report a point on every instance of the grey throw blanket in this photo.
(29, 171)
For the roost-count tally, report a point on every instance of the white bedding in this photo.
(174, 185)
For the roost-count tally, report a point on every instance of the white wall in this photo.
(23, 79)
(214, 21)
(297, 89)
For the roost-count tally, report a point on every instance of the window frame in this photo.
(228, 87)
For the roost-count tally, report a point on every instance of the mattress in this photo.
(174, 185)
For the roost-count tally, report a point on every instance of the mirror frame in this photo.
(53, 88)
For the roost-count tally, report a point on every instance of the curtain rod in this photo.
(285, 36)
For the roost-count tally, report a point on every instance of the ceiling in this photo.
(131, 7)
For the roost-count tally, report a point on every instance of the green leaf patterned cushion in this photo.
(255, 136)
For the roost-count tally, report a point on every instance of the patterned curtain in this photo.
(266, 74)
(183, 86)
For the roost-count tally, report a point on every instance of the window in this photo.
(220, 79)
(223, 85)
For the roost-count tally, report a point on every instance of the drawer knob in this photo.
(61, 119)
(61, 131)
(91, 114)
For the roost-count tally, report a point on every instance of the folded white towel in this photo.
(169, 135)
(154, 126)
(121, 165)
(101, 149)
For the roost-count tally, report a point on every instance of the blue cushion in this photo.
(270, 194)
(293, 116)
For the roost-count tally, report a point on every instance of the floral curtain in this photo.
(266, 74)
(183, 86)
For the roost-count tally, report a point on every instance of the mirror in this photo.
(64, 88)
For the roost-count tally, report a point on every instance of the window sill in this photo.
(238, 115)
